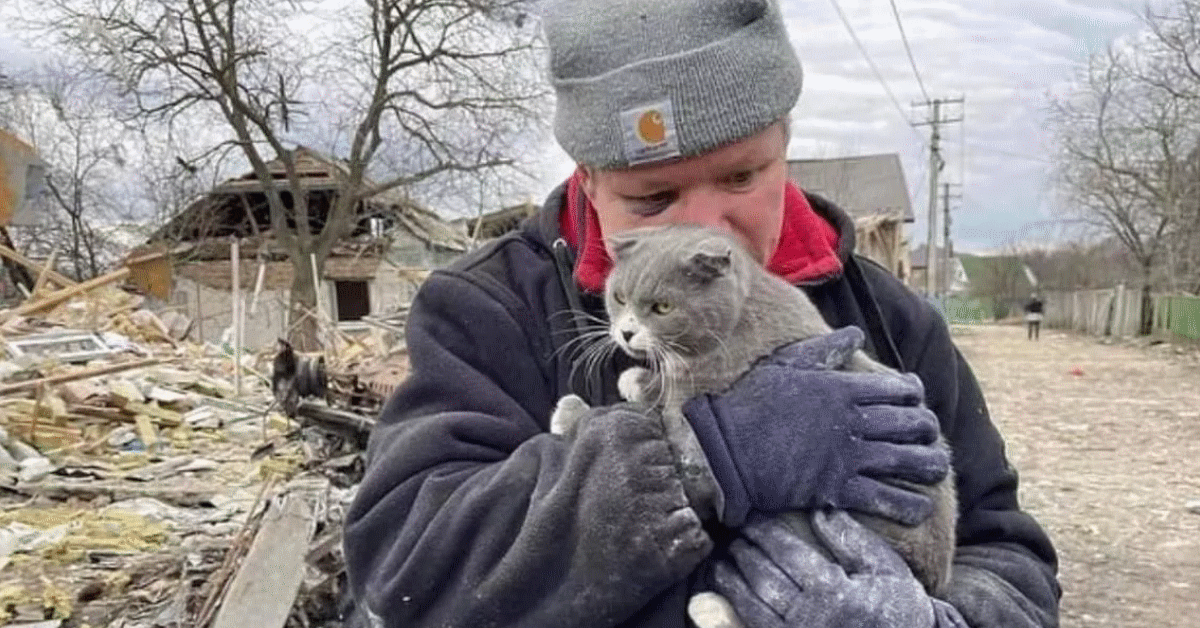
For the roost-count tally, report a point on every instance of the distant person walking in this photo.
(1034, 309)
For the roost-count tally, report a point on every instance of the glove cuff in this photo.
(701, 415)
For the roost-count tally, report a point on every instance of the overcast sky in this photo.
(1003, 56)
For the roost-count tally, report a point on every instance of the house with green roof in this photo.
(1001, 283)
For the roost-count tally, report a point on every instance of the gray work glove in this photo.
(775, 579)
(793, 433)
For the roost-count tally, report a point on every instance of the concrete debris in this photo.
(141, 490)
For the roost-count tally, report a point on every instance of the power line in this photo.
(935, 165)
(908, 50)
(874, 68)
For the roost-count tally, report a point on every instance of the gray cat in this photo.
(693, 304)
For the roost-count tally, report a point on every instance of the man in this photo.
(1033, 316)
(472, 514)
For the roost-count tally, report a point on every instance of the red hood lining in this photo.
(807, 242)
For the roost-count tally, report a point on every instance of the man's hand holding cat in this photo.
(776, 579)
(794, 433)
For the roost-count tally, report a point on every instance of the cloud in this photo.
(1002, 56)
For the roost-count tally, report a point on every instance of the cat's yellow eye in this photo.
(661, 307)
(619, 298)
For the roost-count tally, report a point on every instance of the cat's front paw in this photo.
(567, 413)
(634, 384)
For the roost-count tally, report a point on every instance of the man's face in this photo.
(738, 188)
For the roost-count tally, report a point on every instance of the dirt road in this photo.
(1108, 459)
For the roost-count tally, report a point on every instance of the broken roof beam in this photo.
(28, 263)
(45, 274)
(107, 369)
(52, 299)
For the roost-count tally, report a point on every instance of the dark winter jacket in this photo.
(471, 514)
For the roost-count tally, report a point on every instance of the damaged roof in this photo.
(863, 185)
(238, 207)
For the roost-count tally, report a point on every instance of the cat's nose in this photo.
(628, 335)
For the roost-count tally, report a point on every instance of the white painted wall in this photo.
(212, 309)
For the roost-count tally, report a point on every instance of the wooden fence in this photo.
(1117, 312)
(1177, 316)
(1107, 312)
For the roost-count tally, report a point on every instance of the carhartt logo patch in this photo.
(650, 128)
(650, 133)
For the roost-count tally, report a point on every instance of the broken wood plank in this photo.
(148, 257)
(83, 446)
(28, 263)
(161, 416)
(236, 293)
(51, 299)
(107, 369)
(146, 431)
(100, 412)
(217, 583)
(44, 435)
(49, 407)
(265, 587)
(18, 273)
(45, 274)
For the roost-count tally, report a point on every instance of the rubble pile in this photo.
(363, 369)
(139, 488)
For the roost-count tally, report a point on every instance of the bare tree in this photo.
(410, 88)
(1123, 144)
(56, 111)
(1079, 265)
(1175, 70)
(174, 169)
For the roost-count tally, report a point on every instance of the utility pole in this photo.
(947, 278)
(935, 165)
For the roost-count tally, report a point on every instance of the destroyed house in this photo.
(22, 178)
(492, 225)
(872, 189)
(374, 270)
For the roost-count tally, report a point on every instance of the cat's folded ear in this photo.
(711, 259)
(621, 245)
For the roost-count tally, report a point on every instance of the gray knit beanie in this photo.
(640, 81)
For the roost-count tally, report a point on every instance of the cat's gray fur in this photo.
(725, 312)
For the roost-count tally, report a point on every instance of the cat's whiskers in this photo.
(597, 346)
(670, 365)
(587, 317)
(596, 358)
(661, 366)
(585, 326)
(578, 343)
